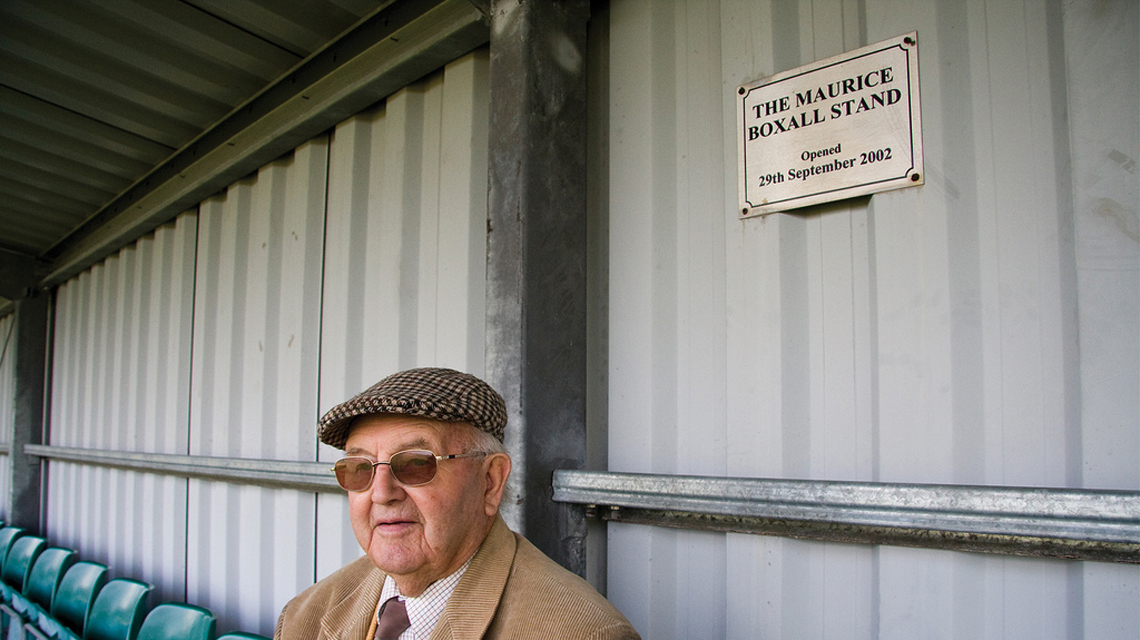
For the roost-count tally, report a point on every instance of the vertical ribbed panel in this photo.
(922, 335)
(405, 250)
(254, 385)
(8, 402)
(120, 372)
(1106, 201)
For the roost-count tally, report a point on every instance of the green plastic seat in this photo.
(176, 621)
(14, 579)
(118, 610)
(44, 579)
(241, 635)
(17, 565)
(74, 597)
(8, 535)
(22, 554)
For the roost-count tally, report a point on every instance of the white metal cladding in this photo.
(8, 402)
(253, 384)
(121, 366)
(360, 253)
(957, 332)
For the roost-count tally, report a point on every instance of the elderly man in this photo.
(439, 561)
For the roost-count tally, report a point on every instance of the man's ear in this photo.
(497, 468)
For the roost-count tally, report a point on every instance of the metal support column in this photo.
(536, 259)
(32, 316)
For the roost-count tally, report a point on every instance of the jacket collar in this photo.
(476, 598)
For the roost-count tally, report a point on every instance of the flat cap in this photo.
(439, 394)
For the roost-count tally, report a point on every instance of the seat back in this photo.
(118, 610)
(76, 593)
(8, 535)
(18, 563)
(176, 621)
(46, 575)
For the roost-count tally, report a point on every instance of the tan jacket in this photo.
(510, 590)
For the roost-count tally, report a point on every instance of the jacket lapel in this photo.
(351, 617)
(476, 598)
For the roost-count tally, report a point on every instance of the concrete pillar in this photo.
(30, 342)
(536, 259)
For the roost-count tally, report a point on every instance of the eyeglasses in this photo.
(410, 468)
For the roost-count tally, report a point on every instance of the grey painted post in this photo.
(536, 259)
(31, 365)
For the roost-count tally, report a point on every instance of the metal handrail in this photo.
(303, 476)
(1069, 523)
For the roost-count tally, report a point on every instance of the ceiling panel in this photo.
(94, 94)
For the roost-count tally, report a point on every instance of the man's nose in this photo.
(385, 487)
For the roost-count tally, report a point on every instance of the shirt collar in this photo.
(425, 610)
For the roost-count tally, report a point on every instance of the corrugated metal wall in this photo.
(226, 332)
(950, 333)
(253, 383)
(121, 373)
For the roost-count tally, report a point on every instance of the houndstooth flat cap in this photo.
(439, 394)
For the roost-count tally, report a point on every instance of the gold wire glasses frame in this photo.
(409, 468)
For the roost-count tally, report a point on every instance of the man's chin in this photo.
(395, 559)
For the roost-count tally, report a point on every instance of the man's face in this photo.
(421, 534)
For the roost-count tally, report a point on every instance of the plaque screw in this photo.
(740, 90)
(908, 40)
(744, 211)
(914, 177)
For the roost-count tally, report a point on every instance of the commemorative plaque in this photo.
(837, 128)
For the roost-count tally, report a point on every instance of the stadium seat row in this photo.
(47, 593)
